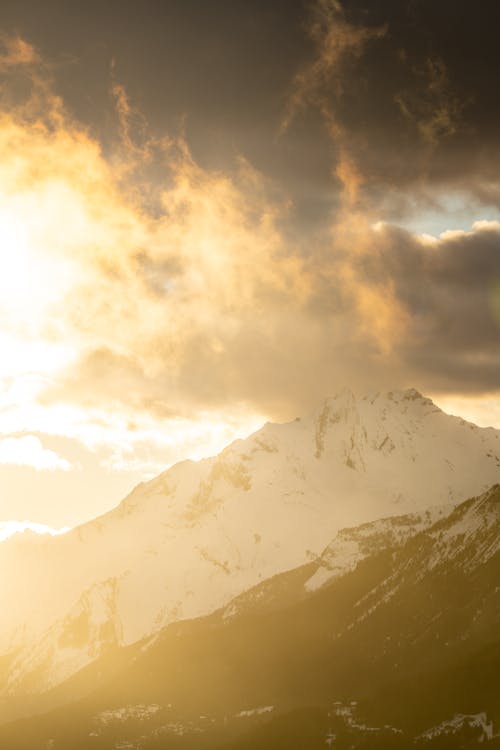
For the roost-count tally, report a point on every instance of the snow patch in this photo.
(459, 722)
(259, 711)
(119, 715)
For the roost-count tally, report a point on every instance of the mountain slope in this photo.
(404, 648)
(200, 534)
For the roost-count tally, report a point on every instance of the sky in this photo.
(214, 214)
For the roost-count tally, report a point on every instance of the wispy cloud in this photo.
(431, 103)
(29, 451)
(337, 42)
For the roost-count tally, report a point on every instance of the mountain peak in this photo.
(409, 394)
(345, 398)
(412, 394)
(264, 505)
(399, 395)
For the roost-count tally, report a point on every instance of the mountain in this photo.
(202, 533)
(401, 650)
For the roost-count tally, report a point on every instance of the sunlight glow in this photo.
(483, 411)
(32, 280)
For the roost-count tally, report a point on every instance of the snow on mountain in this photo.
(350, 546)
(398, 646)
(464, 540)
(454, 726)
(201, 533)
(474, 525)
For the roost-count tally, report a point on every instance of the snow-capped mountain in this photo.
(202, 533)
(400, 649)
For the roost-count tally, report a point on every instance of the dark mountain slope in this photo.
(411, 635)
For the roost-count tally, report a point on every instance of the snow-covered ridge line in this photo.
(353, 545)
(200, 534)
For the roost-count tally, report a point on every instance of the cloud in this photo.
(409, 114)
(120, 302)
(16, 52)
(401, 118)
(431, 103)
(9, 528)
(337, 43)
(29, 451)
(322, 84)
(152, 308)
(445, 290)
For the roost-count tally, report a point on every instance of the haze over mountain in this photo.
(399, 649)
(213, 215)
(189, 541)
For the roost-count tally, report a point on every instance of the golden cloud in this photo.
(144, 297)
(109, 297)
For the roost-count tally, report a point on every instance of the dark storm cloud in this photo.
(415, 104)
(271, 287)
(447, 291)
(218, 71)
